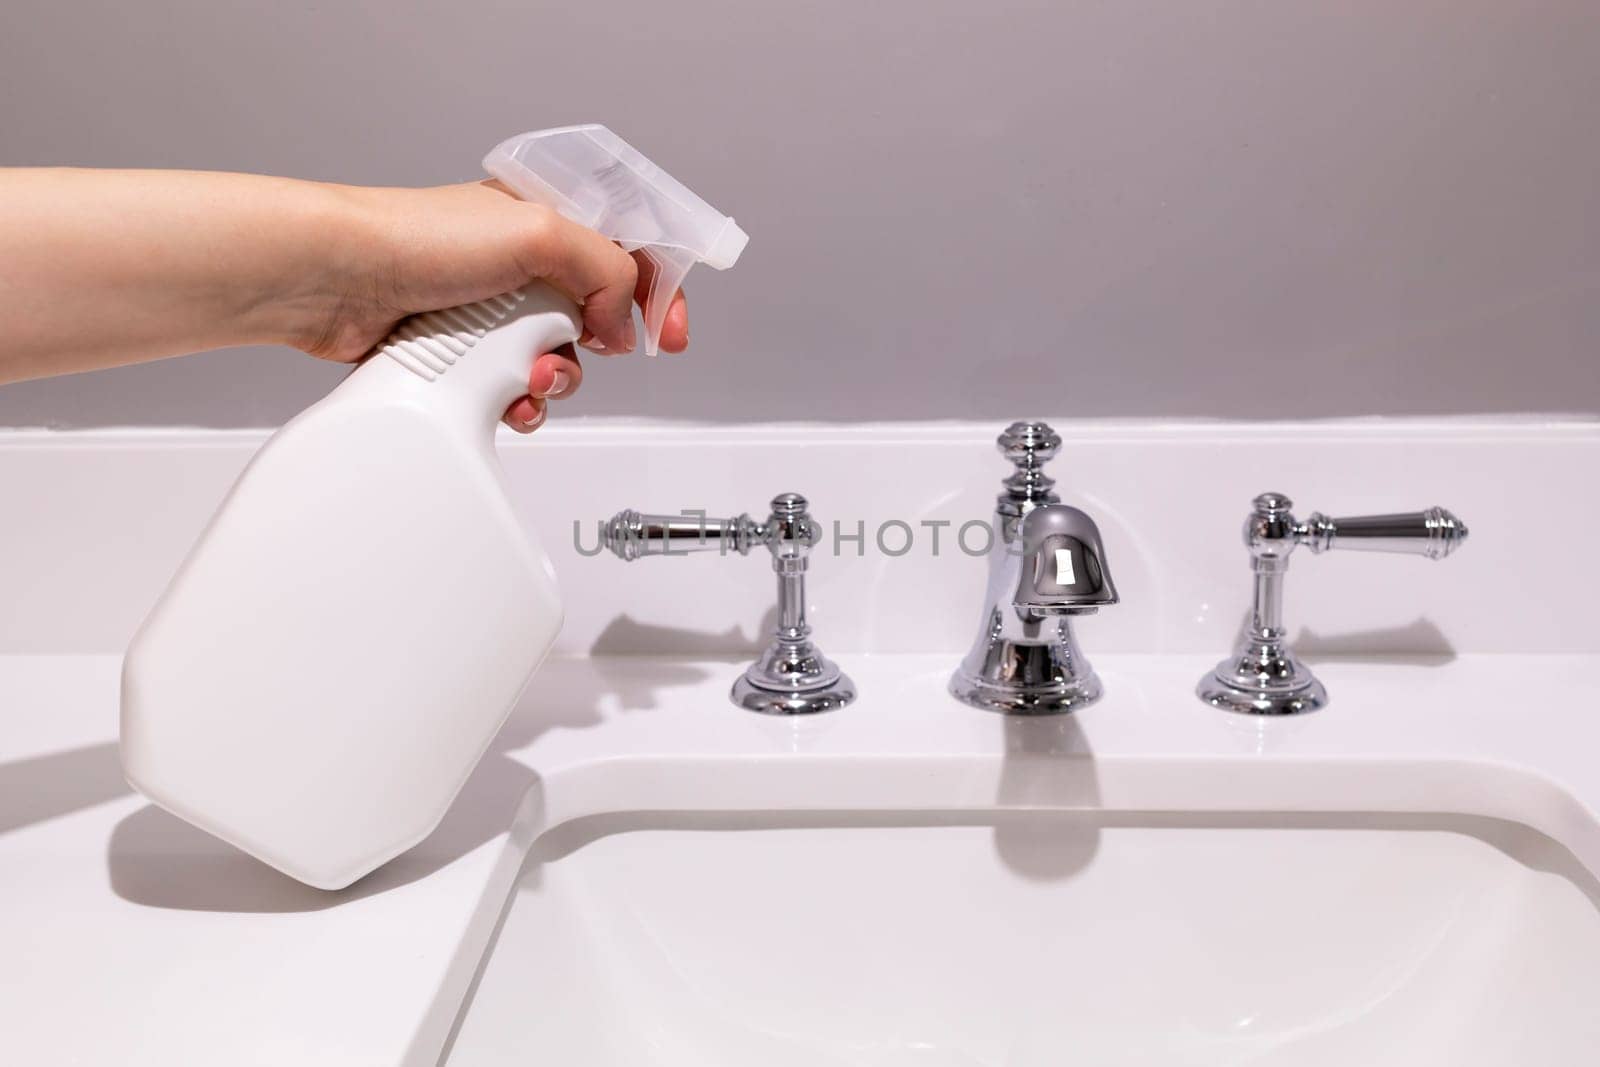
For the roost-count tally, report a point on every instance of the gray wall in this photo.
(956, 209)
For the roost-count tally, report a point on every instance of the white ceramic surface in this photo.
(1462, 727)
(1033, 939)
(109, 515)
(186, 952)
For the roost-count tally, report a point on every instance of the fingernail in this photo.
(537, 420)
(594, 344)
(631, 339)
(558, 384)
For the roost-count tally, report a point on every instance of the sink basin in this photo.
(1027, 938)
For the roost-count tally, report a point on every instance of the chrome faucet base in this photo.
(1263, 682)
(1040, 672)
(751, 695)
(792, 677)
(1058, 699)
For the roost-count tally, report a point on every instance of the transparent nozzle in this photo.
(595, 178)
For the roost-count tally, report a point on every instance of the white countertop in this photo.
(129, 938)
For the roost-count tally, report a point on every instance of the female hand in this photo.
(436, 248)
(100, 268)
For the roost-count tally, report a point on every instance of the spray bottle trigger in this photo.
(669, 266)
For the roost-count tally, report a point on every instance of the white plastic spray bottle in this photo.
(364, 610)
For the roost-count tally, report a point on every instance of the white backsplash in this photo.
(93, 523)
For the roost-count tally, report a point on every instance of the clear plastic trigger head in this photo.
(596, 179)
(669, 266)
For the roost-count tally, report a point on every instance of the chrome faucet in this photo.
(1046, 564)
(792, 677)
(1264, 676)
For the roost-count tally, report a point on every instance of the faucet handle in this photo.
(1263, 676)
(1272, 531)
(1029, 446)
(792, 677)
(630, 535)
(1434, 533)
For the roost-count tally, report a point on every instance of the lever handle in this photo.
(1263, 676)
(792, 677)
(630, 535)
(1434, 533)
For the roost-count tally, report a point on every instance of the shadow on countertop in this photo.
(1418, 643)
(1048, 764)
(60, 783)
(157, 860)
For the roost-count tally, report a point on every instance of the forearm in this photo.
(100, 268)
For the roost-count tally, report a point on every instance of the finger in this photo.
(587, 267)
(675, 330)
(555, 375)
(526, 415)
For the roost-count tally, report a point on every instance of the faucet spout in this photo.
(1063, 566)
(1047, 563)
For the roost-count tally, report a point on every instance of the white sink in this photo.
(1030, 938)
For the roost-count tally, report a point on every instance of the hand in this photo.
(425, 249)
(105, 268)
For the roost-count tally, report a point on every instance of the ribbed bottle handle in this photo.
(474, 360)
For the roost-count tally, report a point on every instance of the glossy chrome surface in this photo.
(1263, 676)
(792, 677)
(1434, 533)
(630, 535)
(1046, 564)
